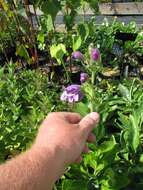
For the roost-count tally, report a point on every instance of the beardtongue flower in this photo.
(72, 94)
(95, 54)
(83, 77)
(77, 55)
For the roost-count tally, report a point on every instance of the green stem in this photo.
(92, 98)
(93, 78)
(91, 107)
(67, 74)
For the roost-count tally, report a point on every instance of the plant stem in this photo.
(67, 75)
(93, 78)
(36, 17)
(92, 98)
(91, 107)
(32, 30)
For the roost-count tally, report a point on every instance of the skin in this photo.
(61, 140)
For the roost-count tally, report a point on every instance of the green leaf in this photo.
(22, 52)
(107, 152)
(58, 51)
(49, 23)
(83, 31)
(141, 158)
(77, 41)
(130, 136)
(74, 185)
(107, 146)
(114, 180)
(51, 7)
(134, 135)
(88, 90)
(81, 108)
(124, 92)
(100, 132)
(41, 37)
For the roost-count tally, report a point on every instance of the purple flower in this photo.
(83, 77)
(72, 94)
(77, 55)
(95, 54)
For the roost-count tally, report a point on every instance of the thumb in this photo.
(89, 122)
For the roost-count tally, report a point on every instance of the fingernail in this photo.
(94, 116)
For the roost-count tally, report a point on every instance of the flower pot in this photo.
(125, 36)
(75, 77)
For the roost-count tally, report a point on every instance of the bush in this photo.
(25, 100)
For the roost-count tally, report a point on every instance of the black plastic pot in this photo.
(125, 36)
(57, 69)
(75, 77)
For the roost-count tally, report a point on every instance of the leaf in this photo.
(141, 158)
(100, 132)
(124, 121)
(81, 108)
(41, 37)
(77, 41)
(58, 51)
(115, 180)
(51, 7)
(130, 136)
(124, 92)
(107, 146)
(107, 152)
(83, 31)
(49, 23)
(88, 90)
(134, 132)
(22, 52)
(74, 184)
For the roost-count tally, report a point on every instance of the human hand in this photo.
(60, 141)
(67, 134)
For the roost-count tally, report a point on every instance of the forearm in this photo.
(33, 170)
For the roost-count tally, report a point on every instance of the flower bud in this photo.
(77, 55)
(95, 54)
(83, 77)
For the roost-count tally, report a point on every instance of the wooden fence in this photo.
(124, 12)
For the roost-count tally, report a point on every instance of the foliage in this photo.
(116, 156)
(25, 100)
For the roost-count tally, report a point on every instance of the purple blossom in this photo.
(72, 94)
(83, 77)
(77, 55)
(95, 54)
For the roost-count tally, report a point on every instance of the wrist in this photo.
(50, 158)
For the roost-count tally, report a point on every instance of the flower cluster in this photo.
(72, 94)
